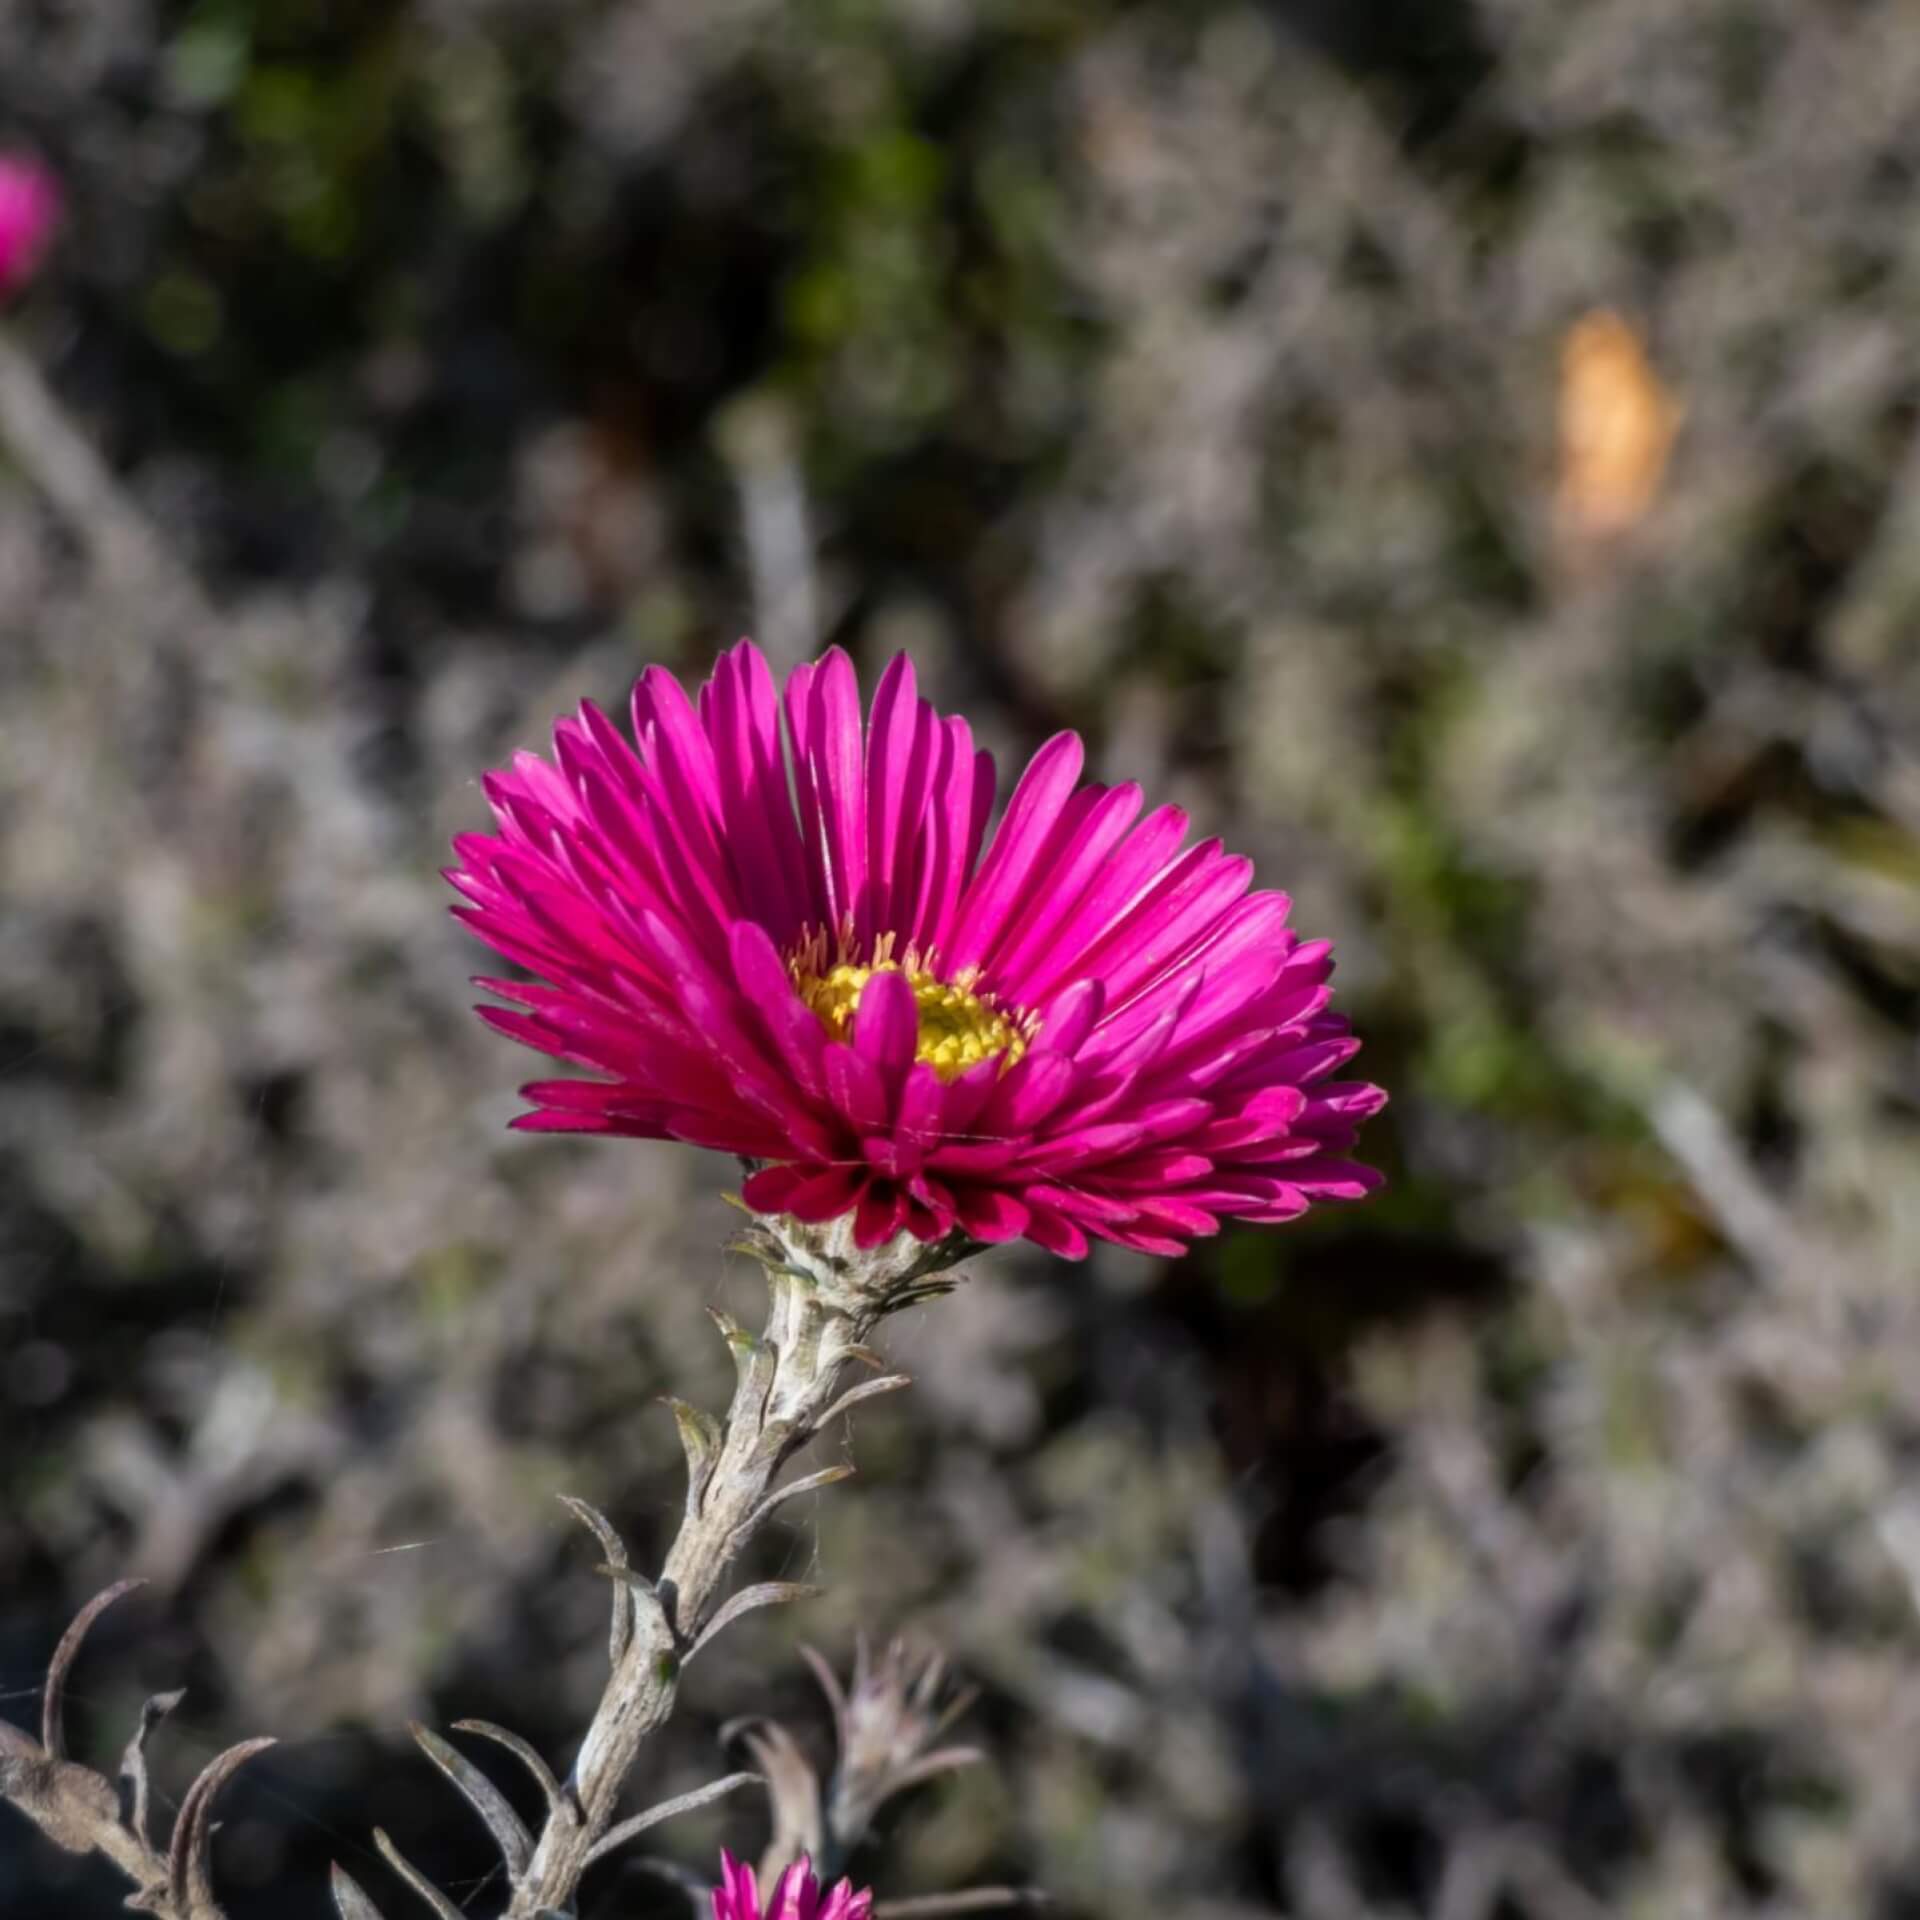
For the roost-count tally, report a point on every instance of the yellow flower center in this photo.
(958, 1028)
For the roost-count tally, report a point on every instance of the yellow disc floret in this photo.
(958, 1028)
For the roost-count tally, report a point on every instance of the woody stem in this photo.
(825, 1300)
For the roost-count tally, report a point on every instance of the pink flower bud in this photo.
(29, 212)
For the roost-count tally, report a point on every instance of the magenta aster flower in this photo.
(29, 209)
(796, 1895)
(816, 956)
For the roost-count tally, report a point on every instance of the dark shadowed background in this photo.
(1284, 394)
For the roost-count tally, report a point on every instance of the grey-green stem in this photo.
(826, 1299)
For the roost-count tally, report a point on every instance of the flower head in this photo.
(796, 1895)
(29, 210)
(816, 956)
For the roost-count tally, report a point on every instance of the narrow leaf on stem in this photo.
(769, 1593)
(349, 1899)
(189, 1872)
(134, 1790)
(667, 1810)
(810, 1483)
(509, 1834)
(621, 1631)
(931, 1765)
(755, 1361)
(524, 1752)
(53, 1701)
(866, 1390)
(799, 1820)
(829, 1683)
(442, 1907)
(701, 1437)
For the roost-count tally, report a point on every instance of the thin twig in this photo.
(81, 1811)
(62, 464)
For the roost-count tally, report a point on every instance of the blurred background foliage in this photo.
(1464, 450)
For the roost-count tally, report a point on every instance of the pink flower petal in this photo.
(742, 718)
(787, 1021)
(886, 1028)
(881, 1214)
(855, 1087)
(1061, 881)
(989, 1214)
(1072, 1016)
(826, 731)
(895, 789)
(808, 1194)
(1043, 790)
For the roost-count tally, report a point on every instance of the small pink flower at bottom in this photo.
(796, 1895)
(29, 211)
